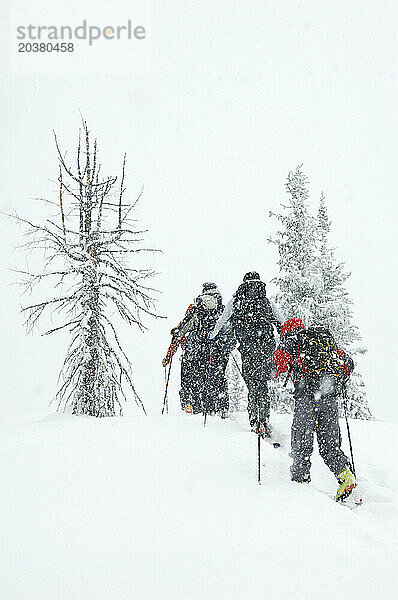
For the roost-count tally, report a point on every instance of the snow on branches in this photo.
(298, 279)
(311, 283)
(88, 248)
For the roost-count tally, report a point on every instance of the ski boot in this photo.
(347, 483)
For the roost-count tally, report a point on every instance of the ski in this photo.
(347, 503)
(352, 501)
(353, 504)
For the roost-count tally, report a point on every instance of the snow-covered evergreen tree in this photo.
(236, 387)
(298, 279)
(311, 285)
(86, 251)
(333, 306)
(333, 309)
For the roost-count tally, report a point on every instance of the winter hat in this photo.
(251, 275)
(291, 325)
(209, 286)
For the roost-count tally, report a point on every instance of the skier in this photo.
(320, 371)
(203, 382)
(250, 317)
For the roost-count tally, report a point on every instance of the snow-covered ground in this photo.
(163, 508)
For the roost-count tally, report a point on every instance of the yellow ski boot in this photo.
(347, 483)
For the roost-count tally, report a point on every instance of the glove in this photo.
(282, 359)
(348, 363)
(209, 339)
(165, 362)
(174, 331)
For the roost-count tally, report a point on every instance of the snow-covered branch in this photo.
(86, 248)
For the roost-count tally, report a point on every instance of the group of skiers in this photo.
(209, 332)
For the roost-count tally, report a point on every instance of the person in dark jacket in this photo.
(320, 371)
(203, 382)
(250, 317)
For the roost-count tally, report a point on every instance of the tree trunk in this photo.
(94, 396)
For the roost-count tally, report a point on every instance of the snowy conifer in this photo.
(298, 279)
(86, 249)
(333, 309)
(311, 285)
(333, 306)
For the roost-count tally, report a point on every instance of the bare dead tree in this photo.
(88, 248)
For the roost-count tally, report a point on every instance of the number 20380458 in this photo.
(45, 47)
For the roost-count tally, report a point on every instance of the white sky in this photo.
(233, 96)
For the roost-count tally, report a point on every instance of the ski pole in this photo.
(211, 352)
(208, 377)
(288, 375)
(348, 428)
(165, 402)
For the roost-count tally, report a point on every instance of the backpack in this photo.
(209, 307)
(319, 360)
(251, 314)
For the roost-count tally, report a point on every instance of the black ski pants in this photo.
(315, 413)
(194, 364)
(256, 371)
(189, 391)
(203, 381)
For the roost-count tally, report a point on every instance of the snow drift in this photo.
(163, 508)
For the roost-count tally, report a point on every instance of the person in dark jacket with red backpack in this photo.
(320, 371)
